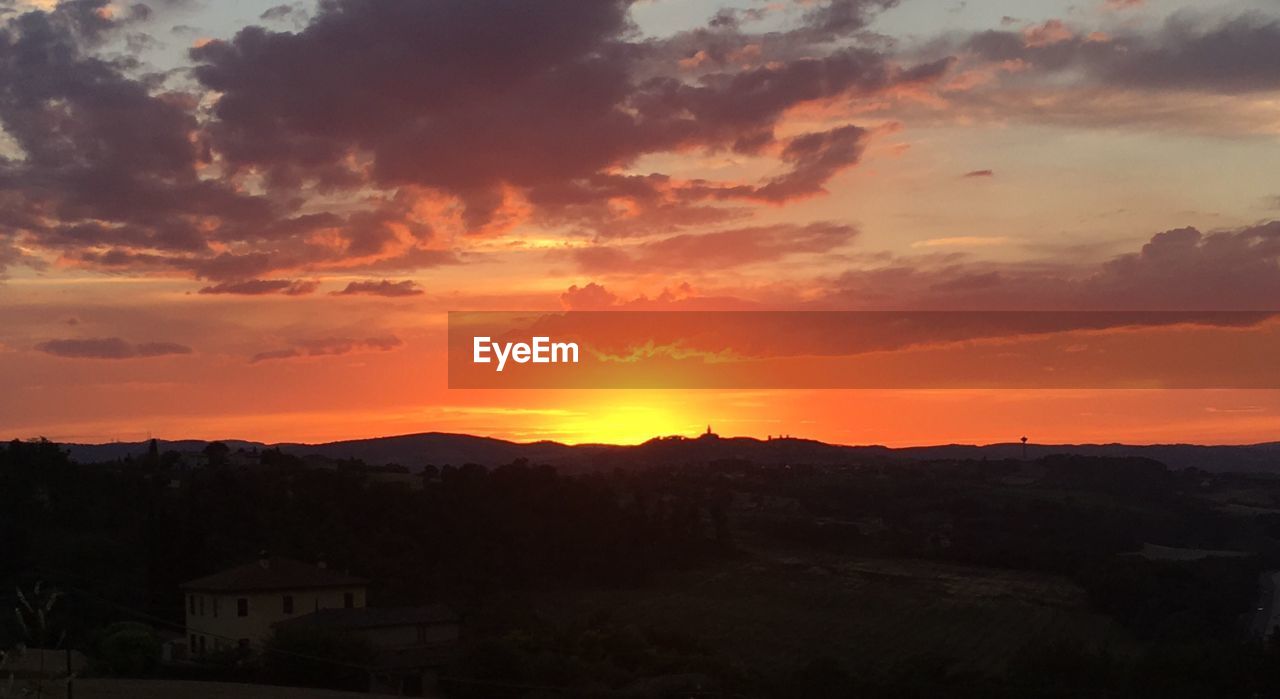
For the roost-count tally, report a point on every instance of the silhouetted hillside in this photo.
(418, 450)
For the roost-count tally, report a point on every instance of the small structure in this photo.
(408, 643)
(42, 664)
(708, 434)
(239, 606)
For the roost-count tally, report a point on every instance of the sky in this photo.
(240, 219)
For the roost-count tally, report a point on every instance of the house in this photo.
(408, 643)
(240, 606)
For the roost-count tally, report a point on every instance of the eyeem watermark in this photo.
(539, 350)
(864, 349)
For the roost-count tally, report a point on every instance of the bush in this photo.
(129, 649)
(308, 658)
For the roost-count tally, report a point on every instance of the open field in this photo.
(772, 612)
(170, 689)
(1154, 552)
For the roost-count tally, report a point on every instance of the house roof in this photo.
(274, 574)
(372, 617)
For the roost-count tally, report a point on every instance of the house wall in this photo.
(216, 617)
(391, 636)
(411, 635)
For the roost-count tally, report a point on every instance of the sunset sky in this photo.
(248, 220)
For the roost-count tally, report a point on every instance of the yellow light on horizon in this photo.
(632, 422)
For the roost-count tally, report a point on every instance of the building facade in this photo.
(239, 607)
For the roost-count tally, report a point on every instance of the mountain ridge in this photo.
(417, 450)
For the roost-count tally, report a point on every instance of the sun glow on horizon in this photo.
(633, 419)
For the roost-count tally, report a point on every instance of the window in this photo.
(242, 606)
(203, 645)
(287, 601)
(191, 609)
(201, 605)
(215, 607)
(193, 643)
(348, 600)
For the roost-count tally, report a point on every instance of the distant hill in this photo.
(418, 450)
(412, 450)
(1252, 458)
(89, 453)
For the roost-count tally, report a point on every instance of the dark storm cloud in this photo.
(460, 95)
(589, 297)
(332, 346)
(293, 12)
(107, 172)
(381, 288)
(815, 159)
(1186, 268)
(469, 97)
(544, 102)
(718, 250)
(11, 255)
(259, 287)
(103, 162)
(842, 17)
(740, 108)
(595, 297)
(666, 205)
(109, 348)
(1180, 269)
(483, 101)
(1239, 54)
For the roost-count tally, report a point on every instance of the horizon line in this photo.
(1012, 443)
